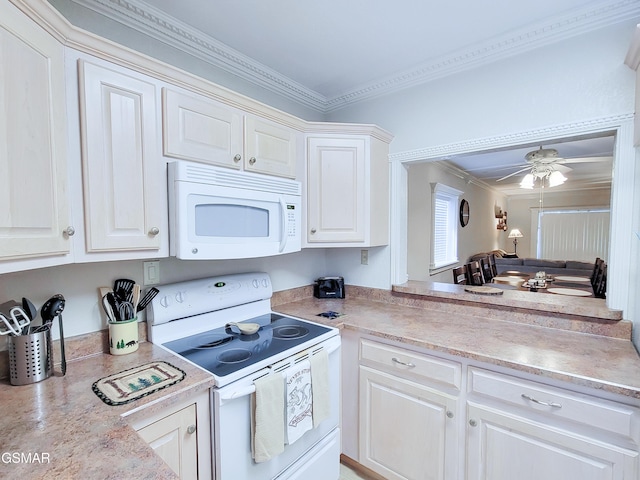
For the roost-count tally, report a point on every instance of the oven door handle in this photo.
(249, 389)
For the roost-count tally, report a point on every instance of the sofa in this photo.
(551, 267)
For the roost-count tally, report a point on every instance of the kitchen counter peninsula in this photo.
(558, 339)
(74, 434)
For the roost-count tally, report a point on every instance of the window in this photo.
(573, 234)
(444, 214)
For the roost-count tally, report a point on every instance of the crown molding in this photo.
(152, 22)
(441, 152)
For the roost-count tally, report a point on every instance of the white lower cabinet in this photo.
(504, 446)
(417, 420)
(406, 429)
(181, 436)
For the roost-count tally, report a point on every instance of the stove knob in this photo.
(165, 301)
(181, 296)
(255, 283)
(265, 284)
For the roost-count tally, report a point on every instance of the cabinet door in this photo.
(502, 446)
(173, 438)
(34, 208)
(123, 172)
(407, 431)
(200, 129)
(270, 148)
(336, 190)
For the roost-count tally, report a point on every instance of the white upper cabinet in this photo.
(347, 191)
(204, 130)
(124, 174)
(34, 207)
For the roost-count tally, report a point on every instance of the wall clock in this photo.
(464, 212)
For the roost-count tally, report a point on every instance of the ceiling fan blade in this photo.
(514, 173)
(585, 160)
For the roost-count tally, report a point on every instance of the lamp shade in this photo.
(515, 233)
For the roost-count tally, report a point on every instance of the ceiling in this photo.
(581, 173)
(329, 54)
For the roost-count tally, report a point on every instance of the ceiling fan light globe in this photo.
(556, 178)
(527, 181)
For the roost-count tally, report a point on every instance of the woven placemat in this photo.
(482, 290)
(134, 383)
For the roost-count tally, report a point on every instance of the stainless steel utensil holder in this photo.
(30, 358)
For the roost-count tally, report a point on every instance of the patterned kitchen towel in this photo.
(267, 418)
(320, 386)
(299, 401)
(134, 383)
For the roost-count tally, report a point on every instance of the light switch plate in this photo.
(151, 273)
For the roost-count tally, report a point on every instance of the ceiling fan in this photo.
(545, 163)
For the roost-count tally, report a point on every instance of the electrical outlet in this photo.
(151, 273)
(364, 257)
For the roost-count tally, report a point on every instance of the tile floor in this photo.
(347, 474)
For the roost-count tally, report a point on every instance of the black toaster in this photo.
(329, 287)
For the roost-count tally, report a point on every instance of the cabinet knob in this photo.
(154, 231)
(191, 429)
(237, 158)
(70, 231)
(473, 423)
(252, 160)
(449, 414)
(313, 230)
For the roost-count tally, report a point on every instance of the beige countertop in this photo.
(596, 361)
(75, 434)
(86, 438)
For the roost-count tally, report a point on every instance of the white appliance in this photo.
(190, 319)
(220, 213)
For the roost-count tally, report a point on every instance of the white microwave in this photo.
(219, 213)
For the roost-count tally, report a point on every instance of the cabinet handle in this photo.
(237, 158)
(154, 231)
(409, 364)
(191, 429)
(252, 160)
(540, 402)
(313, 230)
(70, 231)
(473, 423)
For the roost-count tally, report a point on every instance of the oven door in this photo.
(214, 222)
(318, 450)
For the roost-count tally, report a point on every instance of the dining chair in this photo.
(600, 285)
(474, 273)
(485, 266)
(492, 263)
(597, 266)
(460, 275)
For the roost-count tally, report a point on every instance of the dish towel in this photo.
(267, 424)
(320, 386)
(299, 401)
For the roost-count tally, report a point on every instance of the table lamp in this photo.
(515, 234)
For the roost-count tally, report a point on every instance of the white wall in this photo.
(522, 208)
(480, 235)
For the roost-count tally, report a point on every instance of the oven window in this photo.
(222, 220)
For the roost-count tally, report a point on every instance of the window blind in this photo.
(580, 235)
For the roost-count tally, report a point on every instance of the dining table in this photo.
(568, 285)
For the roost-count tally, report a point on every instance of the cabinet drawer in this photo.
(410, 364)
(556, 403)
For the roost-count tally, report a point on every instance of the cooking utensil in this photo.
(106, 306)
(135, 297)
(246, 328)
(31, 311)
(121, 309)
(14, 322)
(123, 288)
(53, 308)
(146, 300)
